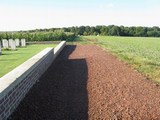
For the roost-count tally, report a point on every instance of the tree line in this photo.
(113, 30)
(39, 35)
(69, 33)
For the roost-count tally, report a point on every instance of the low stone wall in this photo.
(59, 48)
(15, 85)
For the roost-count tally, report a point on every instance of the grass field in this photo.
(142, 53)
(11, 59)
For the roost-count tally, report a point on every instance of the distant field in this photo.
(11, 59)
(142, 53)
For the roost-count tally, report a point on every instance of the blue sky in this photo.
(33, 14)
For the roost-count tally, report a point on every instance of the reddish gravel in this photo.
(86, 82)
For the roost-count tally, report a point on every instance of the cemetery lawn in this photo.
(142, 53)
(11, 59)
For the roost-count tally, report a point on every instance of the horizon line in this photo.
(76, 26)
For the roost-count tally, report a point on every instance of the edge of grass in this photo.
(10, 59)
(150, 70)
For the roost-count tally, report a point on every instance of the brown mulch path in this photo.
(86, 82)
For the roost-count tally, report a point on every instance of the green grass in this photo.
(11, 59)
(78, 40)
(142, 53)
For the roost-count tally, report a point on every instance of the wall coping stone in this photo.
(20, 72)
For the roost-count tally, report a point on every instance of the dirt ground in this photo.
(88, 83)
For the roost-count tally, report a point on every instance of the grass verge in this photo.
(11, 59)
(140, 52)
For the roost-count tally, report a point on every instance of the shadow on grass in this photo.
(60, 94)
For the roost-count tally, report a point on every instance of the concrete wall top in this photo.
(15, 85)
(21, 72)
(59, 46)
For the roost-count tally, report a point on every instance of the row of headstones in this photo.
(12, 44)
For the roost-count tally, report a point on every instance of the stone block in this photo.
(0, 49)
(17, 42)
(5, 43)
(23, 42)
(10, 42)
(13, 45)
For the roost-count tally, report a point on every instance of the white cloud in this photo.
(31, 18)
(25, 18)
(110, 5)
(144, 17)
(106, 6)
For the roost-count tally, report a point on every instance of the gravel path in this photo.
(86, 82)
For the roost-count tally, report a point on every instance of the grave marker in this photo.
(10, 42)
(23, 42)
(17, 42)
(0, 49)
(5, 43)
(13, 45)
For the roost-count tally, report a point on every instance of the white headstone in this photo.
(23, 42)
(10, 42)
(0, 48)
(5, 43)
(17, 42)
(13, 45)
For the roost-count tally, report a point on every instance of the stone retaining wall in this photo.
(15, 85)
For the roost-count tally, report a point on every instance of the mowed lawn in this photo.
(11, 59)
(141, 52)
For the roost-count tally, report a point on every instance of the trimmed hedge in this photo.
(40, 35)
